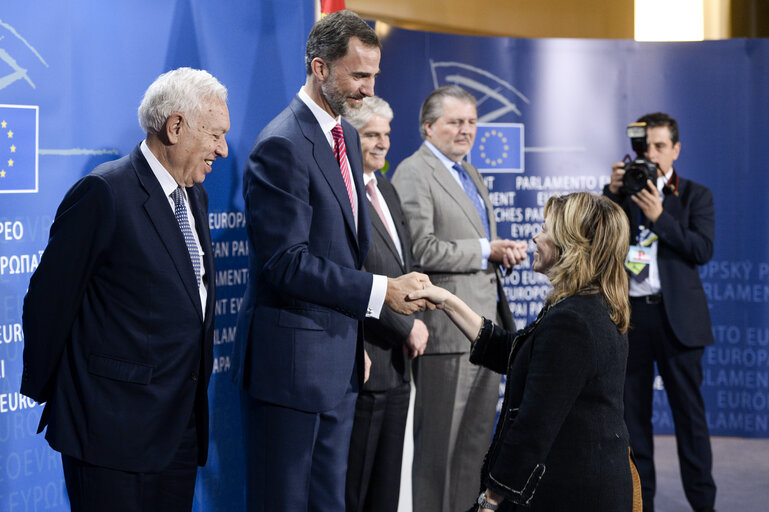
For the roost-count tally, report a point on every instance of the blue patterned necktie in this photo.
(180, 211)
(472, 193)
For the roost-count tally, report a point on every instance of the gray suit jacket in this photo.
(445, 228)
(384, 337)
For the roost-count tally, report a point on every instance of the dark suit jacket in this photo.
(115, 340)
(686, 230)
(300, 326)
(384, 337)
(561, 431)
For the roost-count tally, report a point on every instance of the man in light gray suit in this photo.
(455, 242)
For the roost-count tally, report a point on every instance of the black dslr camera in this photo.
(639, 170)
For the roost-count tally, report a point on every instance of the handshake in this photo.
(399, 288)
(414, 292)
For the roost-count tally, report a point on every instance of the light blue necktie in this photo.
(180, 211)
(472, 193)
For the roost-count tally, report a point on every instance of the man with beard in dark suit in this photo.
(298, 352)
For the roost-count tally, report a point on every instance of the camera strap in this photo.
(671, 187)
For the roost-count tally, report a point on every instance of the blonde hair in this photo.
(591, 236)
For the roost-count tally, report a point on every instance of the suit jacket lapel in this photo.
(324, 157)
(477, 178)
(672, 203)
(355, 158)
(162, 218)
(444, 178)
(377, 224)
(199, 208)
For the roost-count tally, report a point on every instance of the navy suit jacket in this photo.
(115, 339)
(686, 229)
(300, 325)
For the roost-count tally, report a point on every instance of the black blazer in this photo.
(686, 231)
(115, 339)
(561, 441)
(384, 337)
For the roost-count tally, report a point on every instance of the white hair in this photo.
(181, 90)
(372, 106)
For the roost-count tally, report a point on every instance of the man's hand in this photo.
(417, 340)
(366, 366)
(649, 201)
(399, 287)
(617, 172)
(507, 252)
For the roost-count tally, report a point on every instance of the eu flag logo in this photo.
(18, 148)
(498, 147)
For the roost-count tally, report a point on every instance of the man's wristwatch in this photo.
(483, 504)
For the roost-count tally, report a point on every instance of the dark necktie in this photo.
(180, 211)
(472, 193)
(340, 152)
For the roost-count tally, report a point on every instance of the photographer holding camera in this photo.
(672, 228)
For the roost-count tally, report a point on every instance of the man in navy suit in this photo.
(298, 352)
(673, 220)
(118, 319)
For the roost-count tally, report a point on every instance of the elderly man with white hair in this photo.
(118, 319)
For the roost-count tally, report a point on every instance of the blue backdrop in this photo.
(72, 74)
(572, 100)
(85, 65)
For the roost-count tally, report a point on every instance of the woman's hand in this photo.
(493, 497)
(468, 321)
(432, 293)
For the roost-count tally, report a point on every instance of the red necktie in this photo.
(371, 189)
(340, 152)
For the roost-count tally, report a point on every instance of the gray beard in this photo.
(334, 98)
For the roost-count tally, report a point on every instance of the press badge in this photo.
(639, 254)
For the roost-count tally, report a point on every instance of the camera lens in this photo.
(637, 173)
(634, 180)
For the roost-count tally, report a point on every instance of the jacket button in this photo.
(194, 376)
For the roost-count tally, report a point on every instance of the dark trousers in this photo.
(295, 460)
(376, 450)
(97, 489)
(652, 339)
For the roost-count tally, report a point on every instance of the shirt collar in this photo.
(663, 180)
(324, 119)
(369, 177)
(443, 158)
(167, 182)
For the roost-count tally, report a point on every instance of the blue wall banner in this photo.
(72, 74)
(553, 116)
(573, 99)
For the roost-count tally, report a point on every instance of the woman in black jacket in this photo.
(561, 442)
